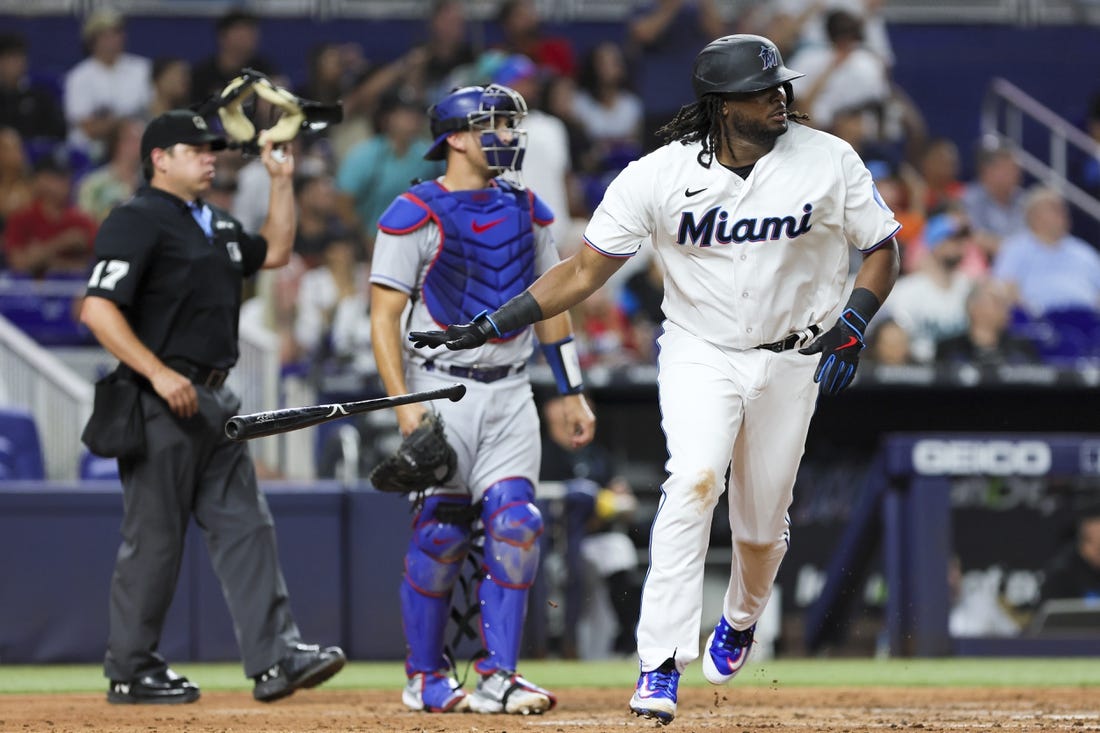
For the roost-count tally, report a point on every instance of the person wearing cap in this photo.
(33, 110)
(105, 86)
(930, 304)
(164, 298)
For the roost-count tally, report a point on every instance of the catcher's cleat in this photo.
(307, 665)
(159, 688)
(727, 651)
(507, 692)
(655, 695)
(434, 692)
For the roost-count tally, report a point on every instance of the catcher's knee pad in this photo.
(512, 527)
(439, 543)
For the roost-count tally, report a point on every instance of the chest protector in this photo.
(487, 255)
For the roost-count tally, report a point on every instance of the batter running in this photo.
(751, 215)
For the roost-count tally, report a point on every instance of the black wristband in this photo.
(520, 311)
(863, 302)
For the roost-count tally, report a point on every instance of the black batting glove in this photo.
(456, 337)
(840, 345)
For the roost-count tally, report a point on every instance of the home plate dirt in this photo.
(736, 709)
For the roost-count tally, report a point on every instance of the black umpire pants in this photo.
(191, 468)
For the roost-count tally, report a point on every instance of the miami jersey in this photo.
(747, 261)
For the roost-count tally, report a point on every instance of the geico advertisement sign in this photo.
(994, 457)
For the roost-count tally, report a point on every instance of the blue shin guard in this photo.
(432, 565)
(512, 528)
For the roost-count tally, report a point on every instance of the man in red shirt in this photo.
(49, 236)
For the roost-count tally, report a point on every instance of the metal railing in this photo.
(59, 398)
(1009, 115)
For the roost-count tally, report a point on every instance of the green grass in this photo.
(969, 672)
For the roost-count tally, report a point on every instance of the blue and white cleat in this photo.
(727, 651)
(655, 695)
(434, 692)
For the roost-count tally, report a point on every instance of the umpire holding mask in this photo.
(164, 298)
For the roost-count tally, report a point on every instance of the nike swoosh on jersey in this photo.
(689, 193)
(479, 228)
(852, 341)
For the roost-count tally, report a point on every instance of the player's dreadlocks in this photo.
(702, 122)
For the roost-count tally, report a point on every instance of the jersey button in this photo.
(745, 294)
(744, 257)
(748, 330)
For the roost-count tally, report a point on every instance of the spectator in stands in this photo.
(603, 333)
(332, 68)
(901, 190)
(378, 170)
(522, 35)
(931, 303)
(33, 111)
(1075, 571)
(1046, 267)
(610, 110)
(641, 298)
(665, 36)
(842, 75)
(547, 168)
(1090, 169)
(16, 185)
(106, 86)
(447, 47)
(319, 222)
(332, 318)
(938, 166)
(995, 200)
(238, 45)
(171, 85)
(559, 100)
(116, 180)
(987, 341)
(49, 236)
(798, 24)
(888, 344)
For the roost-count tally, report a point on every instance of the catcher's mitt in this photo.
(423, 459)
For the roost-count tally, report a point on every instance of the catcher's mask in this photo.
(295, 113)
(740, 64)
(494, 112)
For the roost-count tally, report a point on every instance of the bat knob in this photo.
(232, 428)
(457, 392)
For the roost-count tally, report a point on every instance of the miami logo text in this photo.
(769, 57)
(715, 227)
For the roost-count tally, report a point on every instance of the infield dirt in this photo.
(745, 709)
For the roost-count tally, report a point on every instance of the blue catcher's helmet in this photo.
(482, 109)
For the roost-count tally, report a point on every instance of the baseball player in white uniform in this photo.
(450, 249)
(752, 216)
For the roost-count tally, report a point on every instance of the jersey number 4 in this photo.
(107, 273)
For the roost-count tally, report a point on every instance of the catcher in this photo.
(454, 247)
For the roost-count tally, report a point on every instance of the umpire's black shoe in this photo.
(307, 665)
(164, 687)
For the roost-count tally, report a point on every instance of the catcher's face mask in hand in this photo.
(294, 113)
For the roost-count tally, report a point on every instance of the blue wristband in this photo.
(565, 365)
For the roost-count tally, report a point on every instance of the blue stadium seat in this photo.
(97, 468)
(20, 448)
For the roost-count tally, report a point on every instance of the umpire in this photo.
(164, 298)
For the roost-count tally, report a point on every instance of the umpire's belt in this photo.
(477, 373)
(798, 339)
(206, 376)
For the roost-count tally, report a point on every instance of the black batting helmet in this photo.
(739, 64)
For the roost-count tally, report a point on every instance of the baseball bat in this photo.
(260, 424)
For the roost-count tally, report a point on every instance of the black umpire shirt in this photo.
(179, 289)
